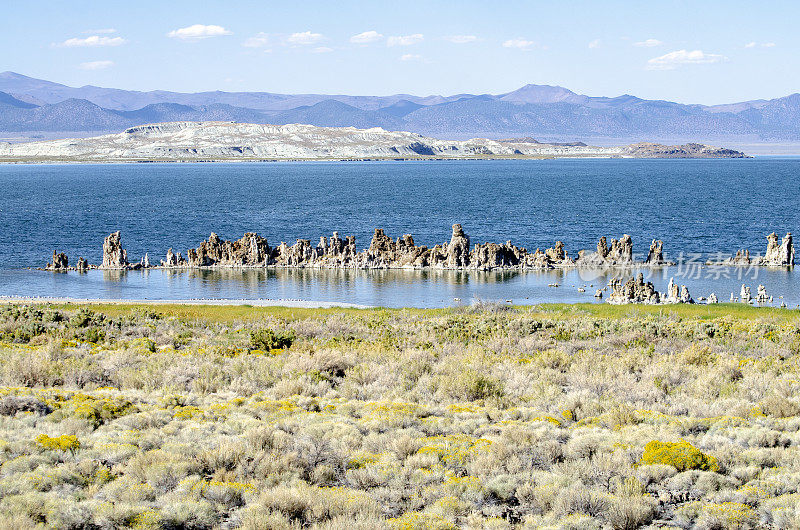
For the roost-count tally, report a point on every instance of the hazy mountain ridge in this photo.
(533, 110)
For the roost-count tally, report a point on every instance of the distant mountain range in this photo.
(553, 113)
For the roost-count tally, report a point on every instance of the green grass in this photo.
(230, 313)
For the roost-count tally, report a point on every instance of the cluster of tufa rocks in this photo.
(637, 291)
(61, 263)
(253, 250)
(746, 297)
(384, 253)
(778, 254)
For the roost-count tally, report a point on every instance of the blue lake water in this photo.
(694, 206)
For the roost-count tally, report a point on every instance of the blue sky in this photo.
(692, 52)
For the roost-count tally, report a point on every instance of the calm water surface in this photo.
(695, 206)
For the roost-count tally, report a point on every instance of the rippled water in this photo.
(695, 206)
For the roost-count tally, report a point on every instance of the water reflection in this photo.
(308, 276)
(397, 288)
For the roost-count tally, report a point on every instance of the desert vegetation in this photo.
(478, 417)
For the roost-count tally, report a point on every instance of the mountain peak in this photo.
(543, 94)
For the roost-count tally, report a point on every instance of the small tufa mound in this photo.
(60, 262)
(744, 294)
(634, 291)
(761, 296)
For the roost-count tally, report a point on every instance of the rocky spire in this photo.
(656, 254)
(779, 254)
(114, 256)
(458, 248)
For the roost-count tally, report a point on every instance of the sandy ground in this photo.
(261, 302)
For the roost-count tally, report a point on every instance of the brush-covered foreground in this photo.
(484, 417)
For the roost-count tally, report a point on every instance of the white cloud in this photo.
(672, 60)
(405, 40)
(259, 40)
(367, 37)
(410, 57)
(649, 43)
(461, 39)
(94, 40)
(304, 38)
(103, 31)
(198, 31)
(763, 45)
(594, 44)
(521, 44)
(96, 65)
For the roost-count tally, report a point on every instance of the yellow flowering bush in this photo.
(680, 455)
(65, 442)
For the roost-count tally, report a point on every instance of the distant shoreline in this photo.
(349, 159)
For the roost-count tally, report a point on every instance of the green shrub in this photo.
(27, 331)
(85, 318)
(98, 411)
(94, 335)
(267, 339)
(482, 387)
(680, 455)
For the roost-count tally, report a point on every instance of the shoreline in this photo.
(87, 161)
(259, 302)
